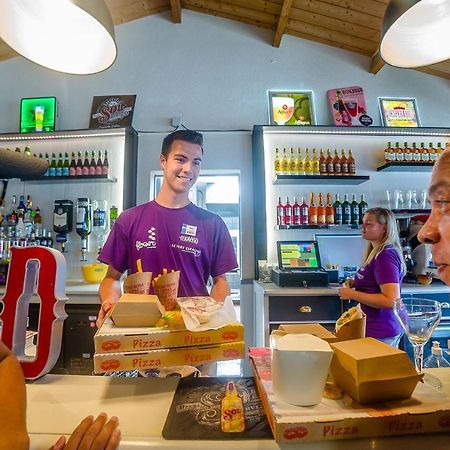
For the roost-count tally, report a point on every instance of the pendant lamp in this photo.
(416, 33)
(70, 36)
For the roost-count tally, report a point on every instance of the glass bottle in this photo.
(105, 167)
(307, 163)
(284, 163)
(296, 212)
(312, 210)
(351, 163)
(346, 211)
(424, 155)
(73, 166)
(300, 163)
(52, 168)
(329, 210)
(47, 172)
(387, 153)
(394, 151)
(337, 163)
(287, 212)
(322, 163)
(304, 212)
(329, 162)
(27, 150)
(276, 163)
(363, 207)
(432, 152)
(407, 153)
(99, 165)
(337, 206)
(292, 163)
(59, 165)
(114, 213)
(92, 164)
(416, 153)
(344, 164)
(280, 212)
(79, 168)
(100, 221)
(354, 211)
(66, 165)
(321, 211)
(400, 153)
(315, 164)
(439, 150)
(85, 170)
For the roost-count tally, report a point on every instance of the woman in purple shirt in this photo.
(377, 282)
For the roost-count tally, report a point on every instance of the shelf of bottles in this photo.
(397, 166)
(319, 227)
(88, 178)
(320, 179)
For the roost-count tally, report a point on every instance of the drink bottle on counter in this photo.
(100, 221)
(113, 214)
(436, 359)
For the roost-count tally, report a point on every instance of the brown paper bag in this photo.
(166, 288)
(355, 329)
(138, 283)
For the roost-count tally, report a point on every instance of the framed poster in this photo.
(348, 107)
(37, 114)
(112, 111)
(291, 108)
(399, 112)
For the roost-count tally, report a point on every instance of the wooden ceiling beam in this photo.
(377, 63)
(175, 7)
(282, 22)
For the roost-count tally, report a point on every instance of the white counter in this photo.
(56, 404)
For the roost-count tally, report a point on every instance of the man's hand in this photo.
(104, 308)
(90, 434)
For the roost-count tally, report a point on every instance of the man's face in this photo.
(182, 166)
(436, 230)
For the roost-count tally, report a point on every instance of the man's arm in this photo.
(109, 293)
(13, 429)
(220, 288)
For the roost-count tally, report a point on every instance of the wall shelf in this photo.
(87, 178)
(397, 166)
(321, 226)
(320, 179)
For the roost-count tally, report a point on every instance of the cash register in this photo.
(299, 265)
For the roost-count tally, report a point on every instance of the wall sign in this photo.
(112, 111)
(399, 112)
(291, 108)
(37, 114)
(348, 107)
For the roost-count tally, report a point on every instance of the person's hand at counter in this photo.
(220, 289)
(90, 434)
(109, 293)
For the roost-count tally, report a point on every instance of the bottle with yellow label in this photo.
(307, 163)
(300, 163)
(232, 419)
(285, 163)
(277, 162)
(292, 163)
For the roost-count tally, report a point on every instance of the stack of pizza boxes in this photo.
(147, 332)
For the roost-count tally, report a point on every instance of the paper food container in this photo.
(166, 288)
(371, 371)
(136, 310)
(138, 283)
(354, 329)
(305, 328)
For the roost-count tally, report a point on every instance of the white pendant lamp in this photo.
(71, 36)
(416, 33)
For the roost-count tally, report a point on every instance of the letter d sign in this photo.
(39, 270)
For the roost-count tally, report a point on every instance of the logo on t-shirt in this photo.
(150, 243)
(188, 233)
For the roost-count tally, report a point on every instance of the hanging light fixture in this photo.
(416, 33)
(71, 36)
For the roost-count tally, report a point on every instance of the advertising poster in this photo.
(112, 111)
(291, 108)
(37, 114)
(348, 107)
(399, 112)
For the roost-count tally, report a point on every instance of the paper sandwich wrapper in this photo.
(138, 283)
(355, 329)
(166, 288)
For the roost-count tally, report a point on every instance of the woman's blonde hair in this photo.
(391, 238)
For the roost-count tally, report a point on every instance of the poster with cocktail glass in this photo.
(291, 108)
(399, 112)
(348, 107)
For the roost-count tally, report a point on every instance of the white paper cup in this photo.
(300, 364)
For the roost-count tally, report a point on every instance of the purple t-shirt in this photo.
(385, 268)
(190, 239)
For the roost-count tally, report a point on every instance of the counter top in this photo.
(57, 403)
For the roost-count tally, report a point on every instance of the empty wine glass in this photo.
(418, 318)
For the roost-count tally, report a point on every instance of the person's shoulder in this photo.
(389, 253)
(137, 210)
(203, 213)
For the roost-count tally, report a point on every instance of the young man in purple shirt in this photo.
(170, 232)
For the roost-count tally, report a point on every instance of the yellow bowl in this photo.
(94, 273)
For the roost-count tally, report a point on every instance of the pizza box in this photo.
(306, 328)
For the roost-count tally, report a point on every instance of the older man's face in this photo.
(436, 230)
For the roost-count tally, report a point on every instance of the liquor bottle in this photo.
(354, 211)
(280, 212)
(52, 168)
(432, 152)
(322, 163)
(387, 153)
(329, 210)
(17, 150)
(29, 204)
(307, 163)
(85, 170)
(408, 155)
(393, 152)
(400, 153)
(92, 164)
(73, 166)
(66, 165)
(59, 165)
(99, 165)
(287, 212)
(12, 214)
(329, 162)
(424, 155)
(296, 213)
(284, 163)
(37, 216)
(337, 206)
(312, 210)
(304, 212)
(351, 163)
(363, 207)
(344, 164)
(321, 211)
(114, 213)
(21, 208)
(276, 162)
(27, 150)
(416, 153)
(300, 169)
(105, 167)
(47, 172)
(439, 150)
(315, 164)
(346, 211)
(232, 418)
(337, 163)
(79, 168)
(292, 163)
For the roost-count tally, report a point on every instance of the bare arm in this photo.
(109, 293)
(13, 430)
(385, 299)
(220, 288)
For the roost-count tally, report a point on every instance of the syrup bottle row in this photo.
(412, 155)
(96, 165)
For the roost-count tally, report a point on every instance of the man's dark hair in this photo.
(194, 137)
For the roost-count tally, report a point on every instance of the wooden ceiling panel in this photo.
(375, 8)
(127, 10)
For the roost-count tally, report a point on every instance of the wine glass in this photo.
(418, 318)
(283, 109)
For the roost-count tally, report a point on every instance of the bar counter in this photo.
(56, 403)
